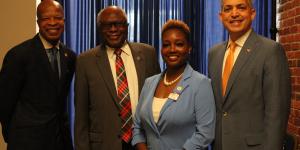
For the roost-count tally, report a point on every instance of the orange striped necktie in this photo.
(228, 66)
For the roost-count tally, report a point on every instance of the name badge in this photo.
(173, 96)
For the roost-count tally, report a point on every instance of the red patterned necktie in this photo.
(124, 98)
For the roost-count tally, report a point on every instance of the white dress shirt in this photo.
(130, 69)
(239, 44)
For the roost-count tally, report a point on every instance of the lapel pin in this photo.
(179, 88)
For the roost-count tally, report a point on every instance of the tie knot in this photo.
(118, 51)
(53, 50)
(232, 46)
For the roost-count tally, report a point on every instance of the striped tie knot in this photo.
(118, 52)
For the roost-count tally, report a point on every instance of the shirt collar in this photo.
(46, 44)
(125, 48)
(241, 41)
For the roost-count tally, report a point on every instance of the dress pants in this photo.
(127, 146)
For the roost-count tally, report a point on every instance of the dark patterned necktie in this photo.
(54, 63)
(124, 98)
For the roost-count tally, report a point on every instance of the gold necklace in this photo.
(166, 83)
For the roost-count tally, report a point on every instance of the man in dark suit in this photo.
(34, 84)
(99, 110)
(251, 82)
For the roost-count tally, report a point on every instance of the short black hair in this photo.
(177, 24)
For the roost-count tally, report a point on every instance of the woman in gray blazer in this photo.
(176, 108)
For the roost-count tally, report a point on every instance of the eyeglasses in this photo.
(118, 25)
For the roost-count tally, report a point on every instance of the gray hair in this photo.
(250, 2)
(109, 7)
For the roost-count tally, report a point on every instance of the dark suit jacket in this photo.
(253, 113)
(97, 121)
(33, 101)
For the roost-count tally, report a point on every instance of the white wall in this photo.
(18, 23)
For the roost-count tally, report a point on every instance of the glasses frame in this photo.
(118, 25)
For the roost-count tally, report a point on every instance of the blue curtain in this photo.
(263, 21)
(146, 18)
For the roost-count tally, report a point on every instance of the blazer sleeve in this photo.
(205, 112)
(11, 83)
(277, 96)
(138, 135)
(81, 135)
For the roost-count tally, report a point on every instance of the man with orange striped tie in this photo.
(251, 83)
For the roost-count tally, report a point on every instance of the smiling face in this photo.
(50, 21)
(175, 48)
(113, 26)
(237, 16)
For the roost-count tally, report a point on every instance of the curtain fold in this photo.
(146, 18)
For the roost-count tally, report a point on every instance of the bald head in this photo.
(113, 26)
(45, 5)
(50, 16)
(115, 10)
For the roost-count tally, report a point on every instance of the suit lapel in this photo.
(45, 63)
(246, 51)
(104, 68)
(139, 63)
(220, 59)
(63, 62)
(63, 66)
(177, 90)
(149, 105)
(176, 93)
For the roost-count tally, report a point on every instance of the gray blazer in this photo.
(97, 121)
(255, 109)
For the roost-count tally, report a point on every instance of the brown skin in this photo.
(237, 17)
(175, 51)
(50, 20)
(114, 36)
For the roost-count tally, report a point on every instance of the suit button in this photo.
(225, 114)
